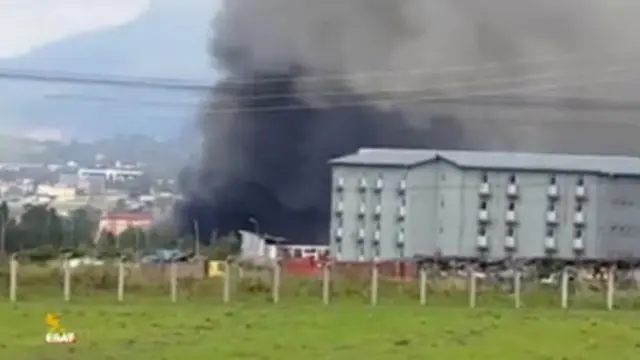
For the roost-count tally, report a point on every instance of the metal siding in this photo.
(602, 220)
(349, 200)
(469, 205)
(564, 209)
(352, 198)
(458, 218)
(500, 161)
(619, 243)
(449, 209)
(390, 203)
(592, 230)
(421, 211)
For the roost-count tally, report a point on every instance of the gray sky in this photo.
(28, 24)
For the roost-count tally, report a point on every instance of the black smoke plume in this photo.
(304, 81)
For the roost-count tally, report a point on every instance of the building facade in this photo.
(116, 222)
(393, 203)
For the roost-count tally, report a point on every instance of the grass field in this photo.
(193, 331)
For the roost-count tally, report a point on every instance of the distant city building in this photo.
(58, 192)
(394, 203)
(69, 180)
(111, 174)
(93, 185)
(116, 222)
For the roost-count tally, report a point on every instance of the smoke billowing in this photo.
(308, 80)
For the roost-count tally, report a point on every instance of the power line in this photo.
(503, 101)
(461, 86)
(483, 96)
(114, 81)
(384, 95)
(426, 98)
(192, 85)
(486, 98)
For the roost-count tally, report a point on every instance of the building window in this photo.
(485, 177)
(578, 207)
(551, 207)
(553, 180)
(483, 205)
(482, 230)
(512, 178)
(510, 231)
(376, 248)
(512, 206)
(577, 233)
(550, 232)
(580, 181)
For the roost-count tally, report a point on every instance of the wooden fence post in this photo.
(611, 287)
(564, 288)
(472, 287)
(226, 278)
(374, 282)
(517, 289)
(121, 272)
(326, 282)
(67, 278)
(277, 267)
(173, 280)
(13, 278)
(423, 284)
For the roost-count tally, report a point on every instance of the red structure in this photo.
(116, 222)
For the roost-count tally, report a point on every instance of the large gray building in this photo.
(399, 203)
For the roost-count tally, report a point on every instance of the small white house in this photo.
(256, 247)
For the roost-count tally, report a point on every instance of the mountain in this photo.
(169, 40)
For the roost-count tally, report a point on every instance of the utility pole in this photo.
(196, 230)
(256, 225)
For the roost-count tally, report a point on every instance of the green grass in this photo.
(157, 330)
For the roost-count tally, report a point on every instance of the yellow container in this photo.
(215, 269)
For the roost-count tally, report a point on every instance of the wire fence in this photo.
(234, 282)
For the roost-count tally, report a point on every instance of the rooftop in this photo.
(609, 165)
(127, 215)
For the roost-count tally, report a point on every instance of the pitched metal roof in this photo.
(614, 165)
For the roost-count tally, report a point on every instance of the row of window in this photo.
(553, 180)
(551, 206)
(361, 234)
(510, 231)
(510, 239)
(378, 185)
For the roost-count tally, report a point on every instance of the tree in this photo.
(41, 225)
(81, 227)
(108, 245)
(163, 236)
(121, 205)
(4, 221)
(131, 238)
